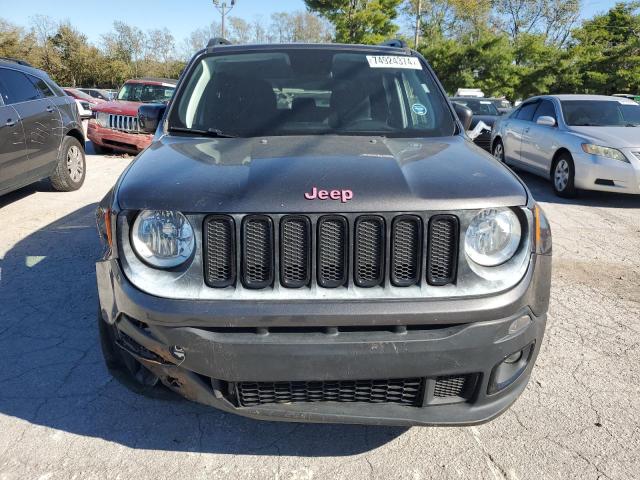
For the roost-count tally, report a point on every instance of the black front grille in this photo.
(219, 252)
(295, 252)
(442, 253)
(332, 251)
(406, 247)
(257, 253)
(299, 251)
(369, 251)
(404, 391)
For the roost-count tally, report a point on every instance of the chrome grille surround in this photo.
(125, 123)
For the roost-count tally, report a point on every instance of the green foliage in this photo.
(359, 21)
(602, 56)
(485, 63)
(606, 50)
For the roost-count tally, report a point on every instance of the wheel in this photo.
(70, 170)
(563, 176)
(126, 369)
(498, 151)
(100, 150)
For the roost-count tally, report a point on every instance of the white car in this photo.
(84, 109)
(589, 142)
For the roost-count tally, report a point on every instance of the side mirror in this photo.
(546, 121)
(464, 114)
(150, 116)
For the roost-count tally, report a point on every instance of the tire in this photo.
(498, 151)
(563, 176)
(126, 369)
(71, 168)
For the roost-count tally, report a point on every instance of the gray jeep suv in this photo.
(41, 134)
(312, 237)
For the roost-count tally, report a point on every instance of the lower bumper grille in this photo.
(405, 391)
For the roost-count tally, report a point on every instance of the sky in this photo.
(93, 17)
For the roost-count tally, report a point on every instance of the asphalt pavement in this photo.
(62, 416)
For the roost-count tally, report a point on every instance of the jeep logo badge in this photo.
(343, 195)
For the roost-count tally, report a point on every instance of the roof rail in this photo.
(394, 42)
(217, 41)
(15, 60)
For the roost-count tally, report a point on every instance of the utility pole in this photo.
(224, 9)
(418, 13)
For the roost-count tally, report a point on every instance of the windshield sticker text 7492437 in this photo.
(393, 61)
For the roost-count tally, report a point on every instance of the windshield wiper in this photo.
(211, 132)
(632, 124)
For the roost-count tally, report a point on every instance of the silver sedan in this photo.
(589, 142)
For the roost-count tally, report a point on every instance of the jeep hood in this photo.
(272, 174)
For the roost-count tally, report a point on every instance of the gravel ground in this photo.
(62, 415)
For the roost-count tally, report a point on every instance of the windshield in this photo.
(601, 113)
(146, 93)
(311, 92)
(478, 107)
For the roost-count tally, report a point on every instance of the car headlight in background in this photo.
(607, 152)
(102, 118)
(162, 238)
(493, 236)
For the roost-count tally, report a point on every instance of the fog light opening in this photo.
(510, 369)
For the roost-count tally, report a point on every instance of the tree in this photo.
(198, 39)
(606, 51)
(485, 63)
(76, 65)
(125, 43)
(15, 42)
(160, 50)
(239, 30)
(552, 18)
(359, 21)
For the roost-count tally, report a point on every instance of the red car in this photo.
(115, 123)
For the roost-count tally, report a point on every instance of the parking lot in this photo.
(63, 416)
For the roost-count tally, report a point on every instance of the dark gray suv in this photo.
(41, 133)
(311, 236)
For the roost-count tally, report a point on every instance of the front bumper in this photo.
(205, 349)
(603, 174)
(116, 139)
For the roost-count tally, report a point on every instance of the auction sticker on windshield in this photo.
(393, 61)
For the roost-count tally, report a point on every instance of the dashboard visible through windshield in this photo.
(311, 92)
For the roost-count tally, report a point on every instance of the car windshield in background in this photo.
(601, 113)
(311, 92)
(145, 93)
(478, 107)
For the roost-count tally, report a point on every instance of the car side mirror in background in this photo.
(464, 114)
(149, 116)
(546, 121)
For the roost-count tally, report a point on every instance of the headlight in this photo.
(493, 236)
(102, 118)
(604, 152)
(162, 238)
